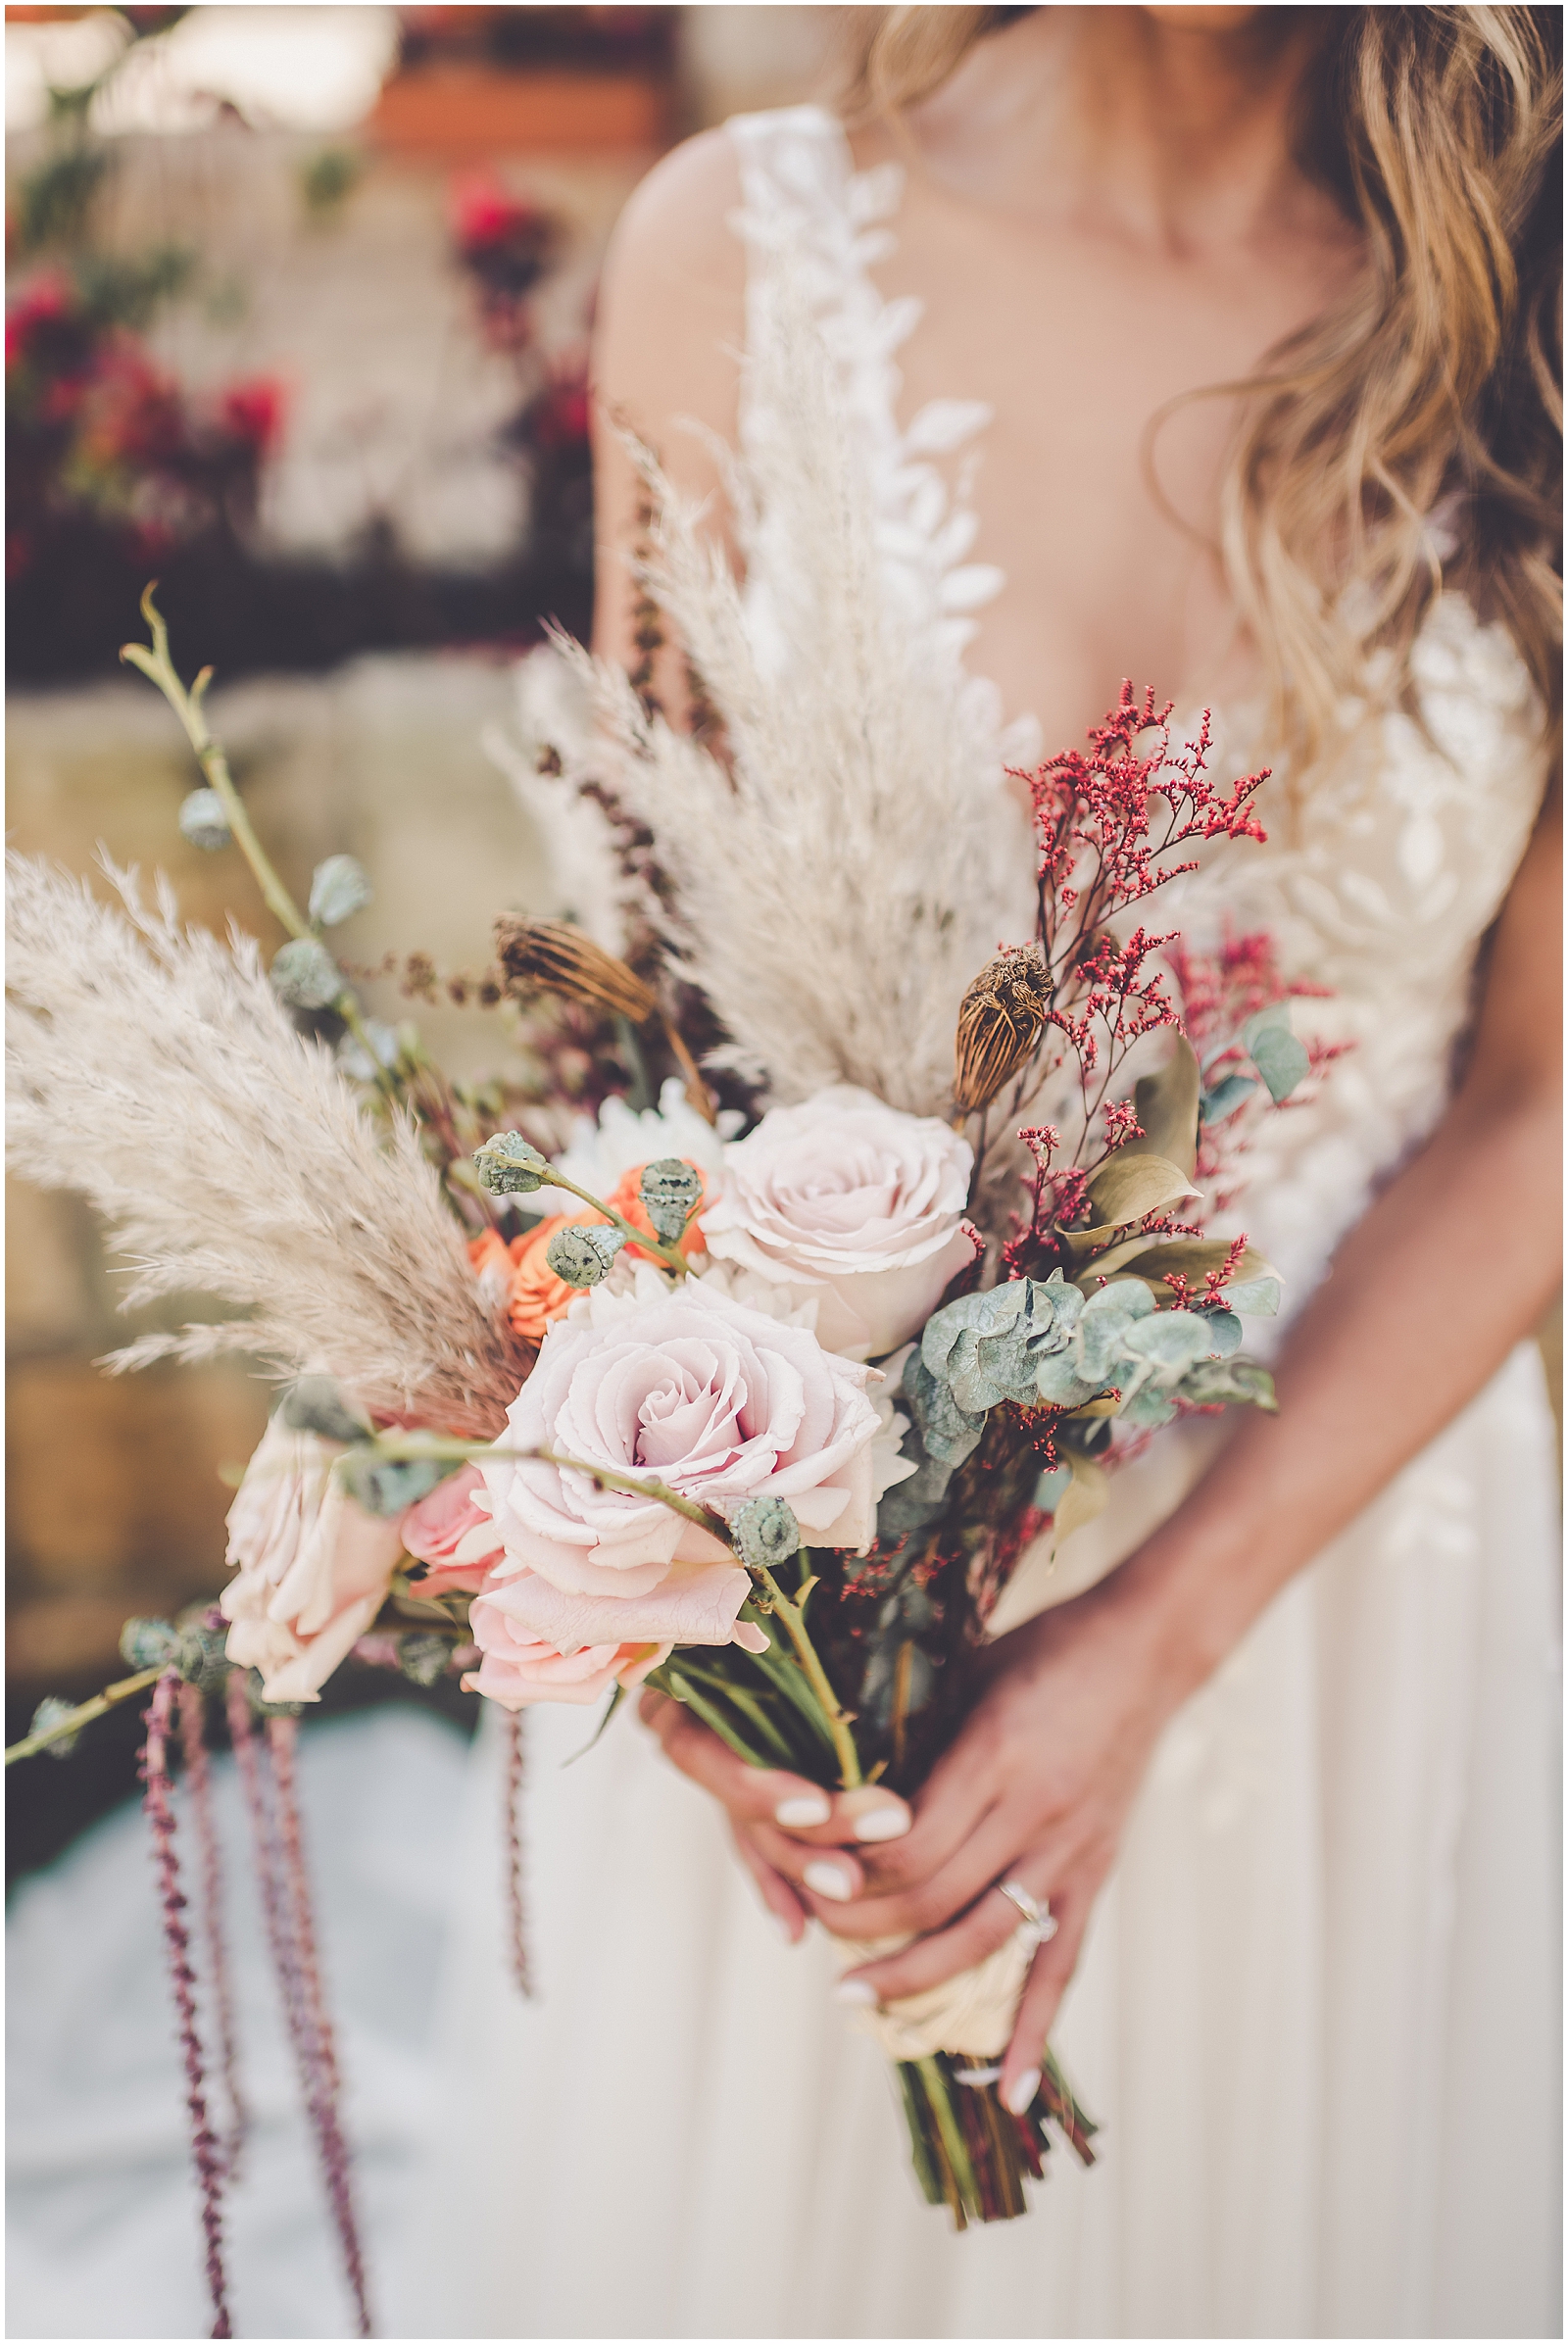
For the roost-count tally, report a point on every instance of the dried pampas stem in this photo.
(837, 882)
(153, 1070)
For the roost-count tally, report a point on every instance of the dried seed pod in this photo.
(50, 1711)
(765, 1531)
(1001, 1018)
(304, 975)
(148, 1643)
(583, 1256)
(561, 959)
(508, 1165)
(672, 1189)
(202, 821)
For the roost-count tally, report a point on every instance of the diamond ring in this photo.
(1036, 1916)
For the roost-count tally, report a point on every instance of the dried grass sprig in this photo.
(836, 881)
(151, 1069)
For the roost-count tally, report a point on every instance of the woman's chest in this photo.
(1096, 483)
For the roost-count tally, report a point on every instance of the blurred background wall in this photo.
(297, 316)
(297, 319)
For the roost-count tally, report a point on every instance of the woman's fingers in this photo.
(933, 1903)
(949, 1811)
(752, 1794)
(828, 1877)
(1047, 1982)
(774, 1890)
(989, 1920)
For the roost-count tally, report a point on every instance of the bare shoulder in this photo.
(672, 323)
(671, 313)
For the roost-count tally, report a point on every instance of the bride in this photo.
(1223, 362)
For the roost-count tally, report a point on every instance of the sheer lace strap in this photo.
(806, 209)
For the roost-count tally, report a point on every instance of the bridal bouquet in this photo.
(761, 1395)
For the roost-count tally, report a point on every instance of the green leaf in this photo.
(1218, 1382)
(1167, 1105)
(1226, 1096)
(1122, 1192)
(1274, 1050)
(1129, 1186)
(617, 1696)
(1191, 1258)
(687, 1694)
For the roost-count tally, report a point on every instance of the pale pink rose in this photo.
(313, 1568)
(854, 1202)
(719, 1403)
(694, 1603)
(517, 1666)
(453, 1534)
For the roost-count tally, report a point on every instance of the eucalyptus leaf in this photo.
(1224, 1332)
(1259, 1297)
(314, 1404)
(1226, 1096)
(1193, 1259)
(385, 1486)
(1053, 1487)
(1281, 1060)
(1213, 1382)
(947, 1432)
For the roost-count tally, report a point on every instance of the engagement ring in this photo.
(1037, 1917)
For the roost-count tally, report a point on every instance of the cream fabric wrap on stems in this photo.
(971, 2013)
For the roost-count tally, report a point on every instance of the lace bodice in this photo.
(1383, 870)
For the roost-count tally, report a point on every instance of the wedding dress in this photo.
(1317, 2009)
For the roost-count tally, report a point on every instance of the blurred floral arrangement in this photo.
(507, 245)
(103, 445)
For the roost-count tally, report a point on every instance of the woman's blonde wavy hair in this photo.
(1410, 436)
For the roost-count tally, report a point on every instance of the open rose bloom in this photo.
(718, 1403)
(854, 1203)
(312, 1569)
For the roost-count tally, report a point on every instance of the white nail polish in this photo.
(856, 1990)
(786, 1929)
(1023, 2091)
(803, 1814)
(827, 1880)
(883, 1823)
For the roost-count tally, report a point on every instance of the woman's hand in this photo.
(794, 1838)
(1035, 1789)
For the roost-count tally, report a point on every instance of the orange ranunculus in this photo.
(535, 1296)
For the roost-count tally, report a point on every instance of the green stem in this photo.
(670, 1255)
(821, 1684)
(160, 669)
(633, 1484)
(73, 1723)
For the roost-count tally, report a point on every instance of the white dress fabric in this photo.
(1318, 2009)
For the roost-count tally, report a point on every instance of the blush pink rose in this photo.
(854, 1202)
(312, 1569)
(517, 1666)
(453, 1535)
(719, 1401)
